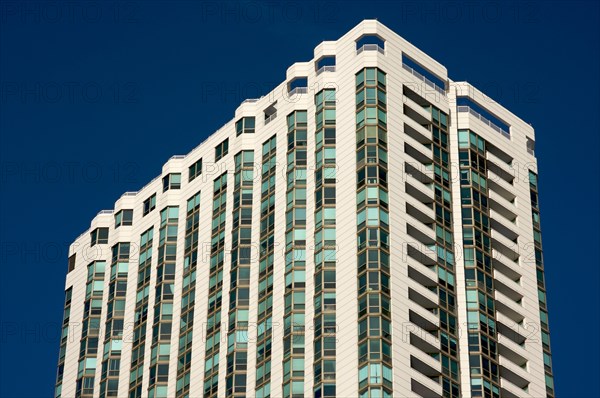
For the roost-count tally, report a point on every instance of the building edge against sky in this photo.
(428, 281)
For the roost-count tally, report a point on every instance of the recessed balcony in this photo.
(424, 79)
(425, 391)
(325, 64)
(298, 90)
(297, 86)
(484, 120)
(370, 47)
(270, 113)
(370, 42)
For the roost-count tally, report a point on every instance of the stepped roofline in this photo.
(396, 46)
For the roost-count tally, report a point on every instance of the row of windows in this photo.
(245, 125)
(235, 382)
(545, 333)
(481, 311)
(170, 181)
(444, 249)
(141, 314)
(295, 276)
(213, 315)
(91, 328)
(265, 282)
(114, 326)
(64, 338)
(163, 304)
(324, 366)
(374, 302)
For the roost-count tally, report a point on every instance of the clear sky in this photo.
(96, 96)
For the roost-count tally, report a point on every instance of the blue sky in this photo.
(96, 96)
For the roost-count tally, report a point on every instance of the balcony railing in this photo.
(268, 120)
(424, 79)
(105, 212)
(467, 109)
(370, 47)
(298, 90)
(177, 157)
(326, 68)
(250, 100)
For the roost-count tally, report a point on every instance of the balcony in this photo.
(505, 247)
(425, 342)
(509, 390)
(500, 224)
(417, 151)
(511, 330)
(428, 388)
(423, 233)
(502, 206)
(466, 109)
(424, 79)
(418, 190)
(325, 64)
(270, 113)
(270, 118)
(508, 307)
(498, 153)
(422, 274)
(416, 111)
(519, 371)
(500, 185)
(370, 47)
(512, 288)
(423, 254)
(417, 131)
(509, 349)
(505, 266)
(297, 91)
(326, 68)
(530, 146)
(516, 375)
(424, 320)
(500, 167)
(423, 363)
(421, 212)
(420, 172)
(422, 295)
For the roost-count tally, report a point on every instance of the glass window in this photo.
(171, 181)
(72, 262)
(533, 179)
(360, 78)
(124, 217)
(195, 170)
(245, 125)
(222, 149)
(149, 204)
(99, 236)
(463, 138)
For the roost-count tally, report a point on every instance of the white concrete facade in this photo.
(520, 352)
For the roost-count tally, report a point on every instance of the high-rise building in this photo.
(370, 228)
